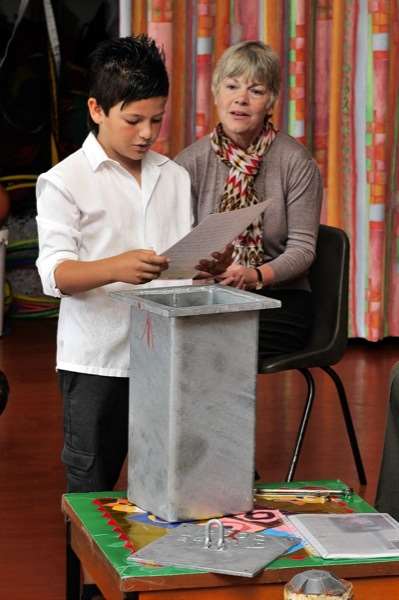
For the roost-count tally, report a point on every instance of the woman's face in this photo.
(242, 106)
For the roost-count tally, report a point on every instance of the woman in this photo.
(246, 161)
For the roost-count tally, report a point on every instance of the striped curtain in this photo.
(340, 63)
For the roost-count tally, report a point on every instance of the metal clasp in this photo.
(220, 534)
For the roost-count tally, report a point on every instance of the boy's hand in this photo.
(212, 268)
(138, 266)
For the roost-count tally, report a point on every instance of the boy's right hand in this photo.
(134, 266)
(137, 266)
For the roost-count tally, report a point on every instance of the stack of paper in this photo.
(351, 535)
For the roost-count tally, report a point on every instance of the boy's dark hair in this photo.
(126, 70)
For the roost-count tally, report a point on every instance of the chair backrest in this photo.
(329, 279)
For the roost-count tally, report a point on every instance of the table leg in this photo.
(72, 568)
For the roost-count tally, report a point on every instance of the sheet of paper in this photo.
(211, 235)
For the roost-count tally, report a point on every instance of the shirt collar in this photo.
(96, 154)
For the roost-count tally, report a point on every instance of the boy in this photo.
(95, 208)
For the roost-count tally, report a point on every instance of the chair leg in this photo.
(304, 422)
(349, 423)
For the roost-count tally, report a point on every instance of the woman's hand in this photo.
(239, 277)
(245, 277)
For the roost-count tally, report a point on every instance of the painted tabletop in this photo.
(119, 528)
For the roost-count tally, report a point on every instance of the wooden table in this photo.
(96, 543)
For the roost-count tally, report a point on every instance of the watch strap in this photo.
(259, 283)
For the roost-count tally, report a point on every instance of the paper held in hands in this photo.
(211, 235)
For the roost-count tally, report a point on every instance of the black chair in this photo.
(387, 496)
(329, 277)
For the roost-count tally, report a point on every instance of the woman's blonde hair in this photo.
(253, 59)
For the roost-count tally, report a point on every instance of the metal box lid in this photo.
(189, 300)
(192, 546)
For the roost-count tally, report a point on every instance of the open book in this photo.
(350, 535)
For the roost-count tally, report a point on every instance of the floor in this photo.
(32, 479)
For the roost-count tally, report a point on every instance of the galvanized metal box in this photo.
(192, 399)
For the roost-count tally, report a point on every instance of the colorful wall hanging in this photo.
(340, 65)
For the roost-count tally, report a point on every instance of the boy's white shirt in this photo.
(89, 207)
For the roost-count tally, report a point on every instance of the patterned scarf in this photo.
(239, 190)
